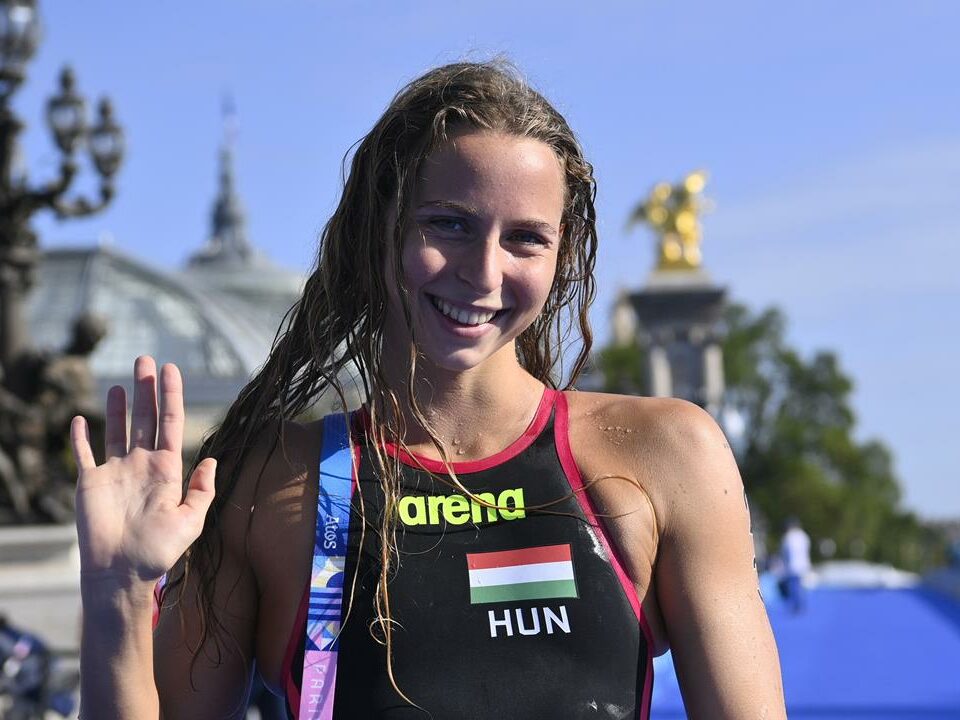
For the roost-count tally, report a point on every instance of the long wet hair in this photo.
(336, 329)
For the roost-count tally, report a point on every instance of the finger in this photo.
(115, 435)
(170, 430)
(200, 491)
(80, 442)
(143, 422)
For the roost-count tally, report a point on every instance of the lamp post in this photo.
(67, 120)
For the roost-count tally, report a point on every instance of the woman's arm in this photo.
(133, 523)
(116, 650)
(215, 684)
(705, 576)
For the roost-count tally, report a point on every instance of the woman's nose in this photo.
(482, 267)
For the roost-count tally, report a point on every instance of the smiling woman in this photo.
(541, 560)
(479, 257)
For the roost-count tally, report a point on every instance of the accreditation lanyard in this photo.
(317, 689)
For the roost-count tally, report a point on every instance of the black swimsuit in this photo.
(505, 612)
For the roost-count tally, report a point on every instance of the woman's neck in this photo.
(474, 413)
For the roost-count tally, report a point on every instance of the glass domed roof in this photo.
(215, 343)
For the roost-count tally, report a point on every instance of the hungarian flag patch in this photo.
(537, 573)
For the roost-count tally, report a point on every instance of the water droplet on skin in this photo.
(618, 429)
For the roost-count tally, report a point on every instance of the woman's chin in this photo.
(464, 359)
(456, 362)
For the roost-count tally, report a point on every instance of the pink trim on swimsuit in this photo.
(286, 670)
(535, 427)
(561, 424)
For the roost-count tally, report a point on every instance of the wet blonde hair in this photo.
(339, 321)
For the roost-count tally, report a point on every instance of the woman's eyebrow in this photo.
(538, 226)
(451, 205)
(472, 212)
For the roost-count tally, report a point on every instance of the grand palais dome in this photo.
(216, 318)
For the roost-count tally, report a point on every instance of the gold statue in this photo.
(673, 213)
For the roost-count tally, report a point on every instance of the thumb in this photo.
(201, 488)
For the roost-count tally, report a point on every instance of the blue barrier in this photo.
(856, 653)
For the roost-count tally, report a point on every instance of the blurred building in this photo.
(216, 318)
(676, 316)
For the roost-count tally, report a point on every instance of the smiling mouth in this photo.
(459, 315)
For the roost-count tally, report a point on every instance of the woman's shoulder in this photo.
(612, 420)
(279, 452)
(272, 487)
(663, 444)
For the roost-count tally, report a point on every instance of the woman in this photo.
(514, 550)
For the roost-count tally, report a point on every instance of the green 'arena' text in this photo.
(458, 510)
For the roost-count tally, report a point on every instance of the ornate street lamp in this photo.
(19, 37)
(31, 472)
(67, 120)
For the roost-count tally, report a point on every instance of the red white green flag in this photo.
(536, 573)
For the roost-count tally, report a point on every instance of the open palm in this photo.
(133, 519)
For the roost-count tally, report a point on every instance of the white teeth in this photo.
(464, 317)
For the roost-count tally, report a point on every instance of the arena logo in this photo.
(417, 510)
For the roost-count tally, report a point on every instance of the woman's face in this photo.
(481, 253)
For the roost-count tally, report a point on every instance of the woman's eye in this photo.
(528, 238)
(447, 224)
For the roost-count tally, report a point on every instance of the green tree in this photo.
(622, 368)
(800, 457)
(798, 454)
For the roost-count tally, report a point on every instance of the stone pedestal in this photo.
(678, 313)
(40, 583)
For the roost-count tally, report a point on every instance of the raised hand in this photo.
(133, 519)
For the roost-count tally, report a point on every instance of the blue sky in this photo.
(831, 132)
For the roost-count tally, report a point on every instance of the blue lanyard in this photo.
(327, 577)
